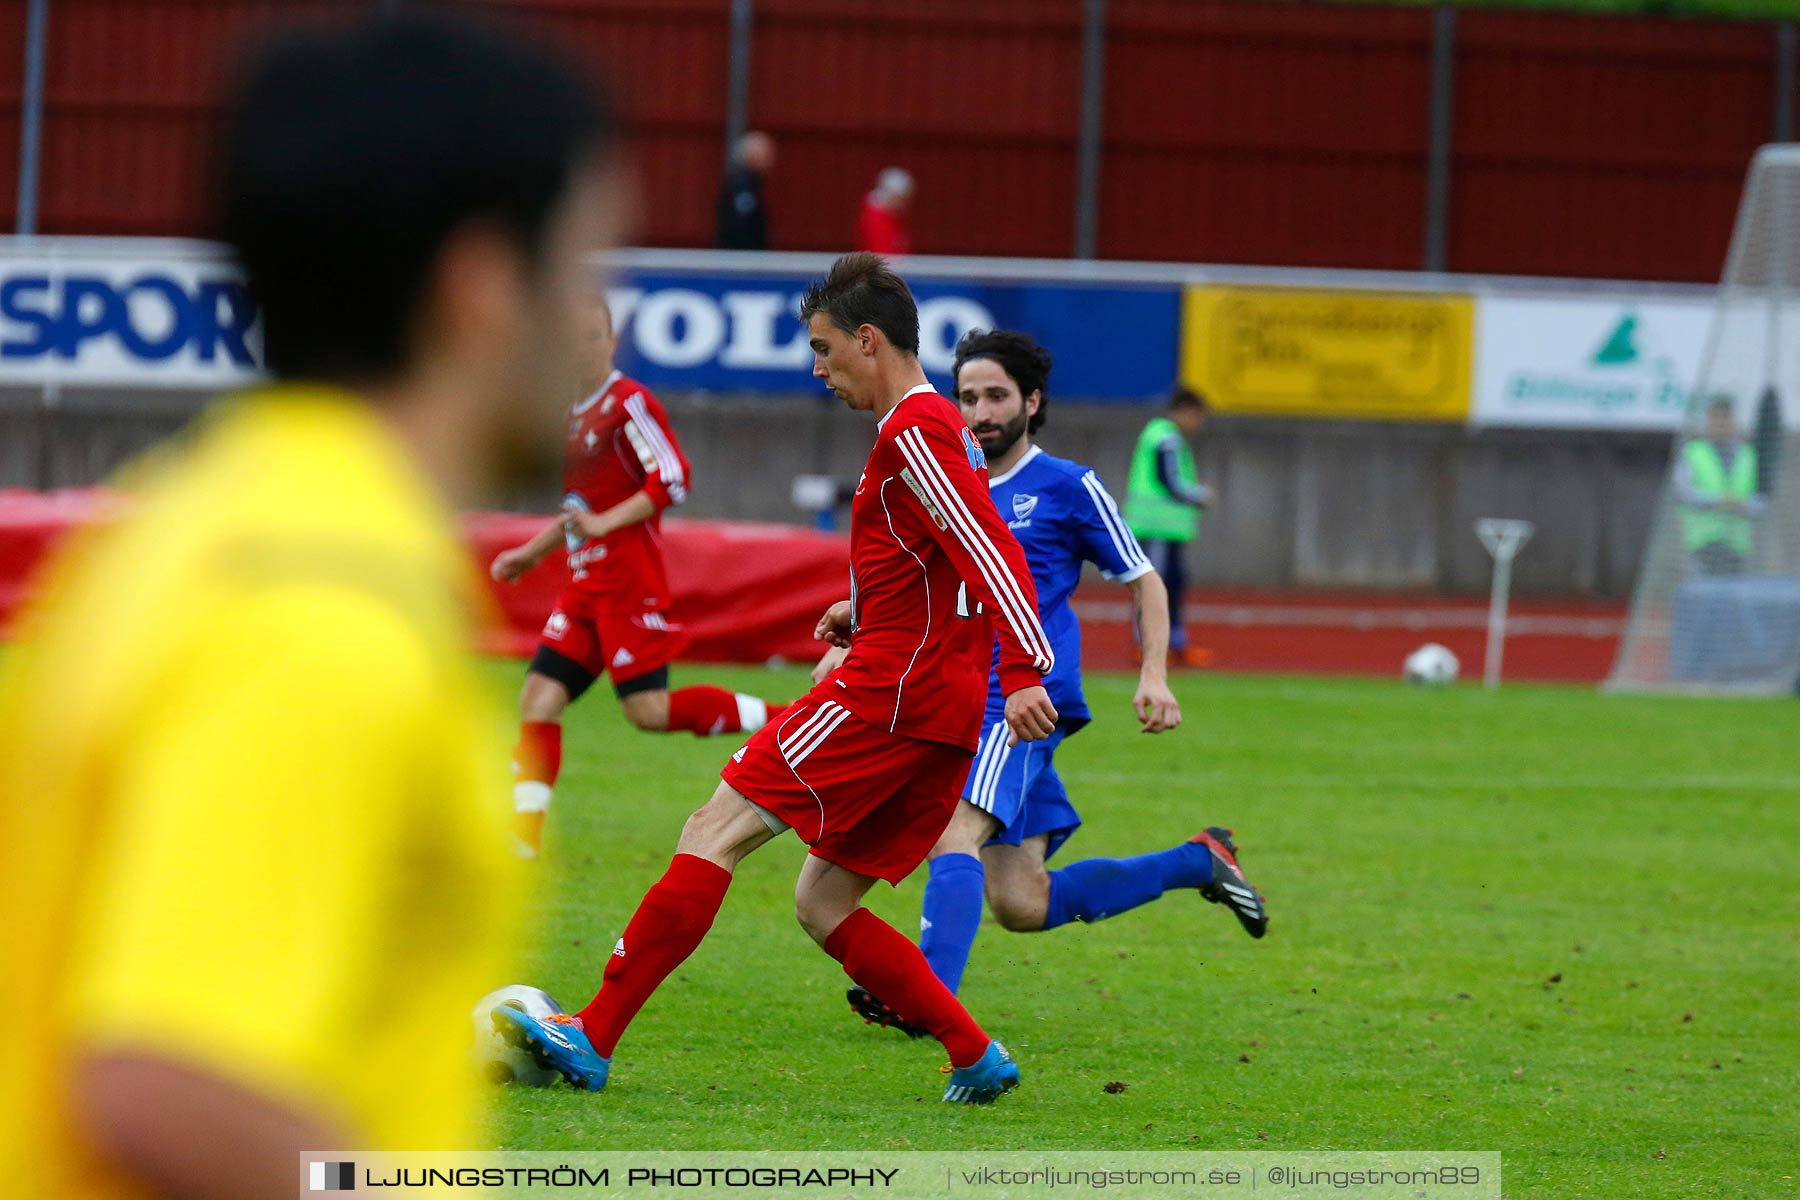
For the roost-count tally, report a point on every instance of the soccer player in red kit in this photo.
(621, 468)
(868, 766)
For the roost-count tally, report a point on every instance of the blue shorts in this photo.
(1019, 787)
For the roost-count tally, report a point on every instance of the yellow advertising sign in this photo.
(1294, 353)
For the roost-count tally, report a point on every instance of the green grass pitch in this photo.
(1556, 924)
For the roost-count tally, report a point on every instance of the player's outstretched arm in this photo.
(1154, 703)
(508, 565)
(635, 508)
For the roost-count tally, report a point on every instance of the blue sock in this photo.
(1097, 888)
(950, 916)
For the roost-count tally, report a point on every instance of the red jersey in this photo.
(934, 572)
(620, 444)
(882, 231)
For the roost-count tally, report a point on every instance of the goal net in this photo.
(1717, 604)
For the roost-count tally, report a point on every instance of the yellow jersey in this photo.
(248, 782)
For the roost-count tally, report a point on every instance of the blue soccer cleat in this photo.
(986, 1080)
(556, 1043)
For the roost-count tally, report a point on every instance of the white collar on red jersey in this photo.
(606, 387)
(923, 387)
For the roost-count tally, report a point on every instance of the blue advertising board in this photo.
(717, 331)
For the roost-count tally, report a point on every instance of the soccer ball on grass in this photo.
(1431, 665)
(494, 1057)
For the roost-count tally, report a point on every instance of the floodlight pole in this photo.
(1503, 539)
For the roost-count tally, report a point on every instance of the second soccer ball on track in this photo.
(1431, 665)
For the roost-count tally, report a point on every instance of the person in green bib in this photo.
(1163, 501)
(1715, 485)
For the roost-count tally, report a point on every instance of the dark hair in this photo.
(1721, 401)
(1025, 362)
(1183, 396)
(861, 289)
(350, 156)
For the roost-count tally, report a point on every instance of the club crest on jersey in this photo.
(573, 537)
(977, 459)
(1023, 506)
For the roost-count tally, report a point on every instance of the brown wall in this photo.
(1234, 132)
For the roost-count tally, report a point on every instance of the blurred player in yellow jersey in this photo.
(252, 874)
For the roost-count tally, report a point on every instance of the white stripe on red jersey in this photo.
(924, 531)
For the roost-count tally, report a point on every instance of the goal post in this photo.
(1716, 608)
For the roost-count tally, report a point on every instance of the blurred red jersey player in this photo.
(622, 466)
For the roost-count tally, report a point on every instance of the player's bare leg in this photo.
(538, 757)
(825, 895)
(726, 829)
(648, 711)
(1018, 884)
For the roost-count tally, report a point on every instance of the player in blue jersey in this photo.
(1015, 813)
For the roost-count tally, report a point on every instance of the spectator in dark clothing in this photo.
(743, 220)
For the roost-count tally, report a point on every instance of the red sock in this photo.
(704, 711)
(670, 921)
(538, 756)
(882, 959)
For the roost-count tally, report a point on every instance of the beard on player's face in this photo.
(996, 436)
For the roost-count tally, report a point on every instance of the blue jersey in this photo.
(1063, 516)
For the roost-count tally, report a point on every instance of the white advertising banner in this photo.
(97, 313)
(1588, 362)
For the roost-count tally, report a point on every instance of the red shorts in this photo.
(601, 634)
(865, 799)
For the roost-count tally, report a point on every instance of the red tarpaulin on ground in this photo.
(749, 592)
(744, 592)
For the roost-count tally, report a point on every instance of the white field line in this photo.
(1784, 784)
(1304, 616)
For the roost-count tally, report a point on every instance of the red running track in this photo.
(1365, 633)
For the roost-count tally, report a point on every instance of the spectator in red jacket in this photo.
(882, 228)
